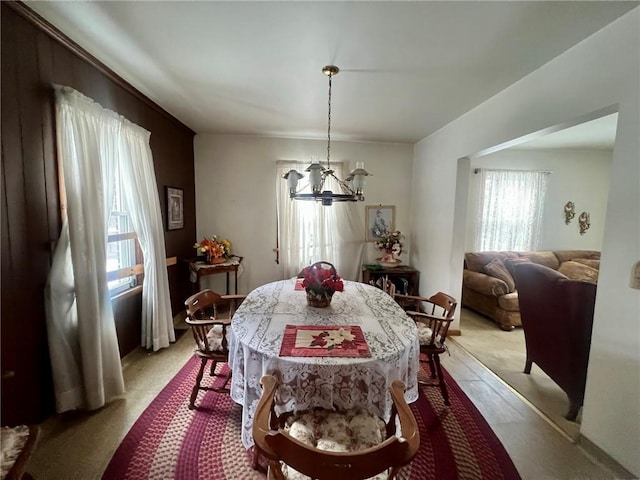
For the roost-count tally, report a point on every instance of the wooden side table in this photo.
(199, 269)
(370, 275)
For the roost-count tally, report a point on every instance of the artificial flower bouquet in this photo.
(214, 249)
(390, 242)
(321, 281)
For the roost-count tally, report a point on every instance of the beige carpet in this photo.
(504, 354)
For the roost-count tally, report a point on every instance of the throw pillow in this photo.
(497, 269)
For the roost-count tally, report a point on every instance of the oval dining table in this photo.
(276, 315)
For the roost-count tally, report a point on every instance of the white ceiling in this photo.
(407, 68)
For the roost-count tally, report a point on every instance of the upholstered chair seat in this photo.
(424, 334)
(348, 431)
(325, 444)
(214, 339)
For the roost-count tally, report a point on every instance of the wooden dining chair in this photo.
(209, 315)
(433, 316)
(325, 444)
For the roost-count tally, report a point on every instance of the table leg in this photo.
(227, 283)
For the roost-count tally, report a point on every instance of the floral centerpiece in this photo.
(214, 249)
(321, 281)
(391, 244)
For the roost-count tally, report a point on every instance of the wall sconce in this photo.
(583, 220)
(635, 281)
(569, 212)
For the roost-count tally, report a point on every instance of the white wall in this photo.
(236, 196)
(579, 176)
(599, 72)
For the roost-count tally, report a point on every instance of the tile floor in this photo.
(505, 354)
(80, 445)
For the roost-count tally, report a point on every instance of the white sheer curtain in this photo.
(140, 193)
(309, 232)
(511, 206)
(92, 143)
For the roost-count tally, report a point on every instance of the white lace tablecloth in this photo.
(305, 382)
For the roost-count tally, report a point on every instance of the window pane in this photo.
(512, 203)
(121, 253)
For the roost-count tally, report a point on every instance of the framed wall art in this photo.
(379, 219)
(175, 208)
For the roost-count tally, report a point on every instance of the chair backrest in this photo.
(273, 442)
(206, 310)
(435, 313)
(203, 305)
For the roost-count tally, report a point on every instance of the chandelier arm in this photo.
(343, 185)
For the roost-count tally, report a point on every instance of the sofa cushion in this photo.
(475, 261)
(497, 269)
(509, 302)
(579, 271)
(566, 255)
(587, 261)
(548, 259)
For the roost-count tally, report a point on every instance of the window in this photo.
(307, 231)
(512, 204)
(123, 251)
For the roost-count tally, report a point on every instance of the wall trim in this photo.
(39, 22)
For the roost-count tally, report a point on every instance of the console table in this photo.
(198, 268)
(370, 275)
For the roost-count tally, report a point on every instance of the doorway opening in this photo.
(578, 155)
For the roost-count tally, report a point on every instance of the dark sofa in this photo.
(557, 318)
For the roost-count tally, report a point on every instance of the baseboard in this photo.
(454, 332)
(600, 456)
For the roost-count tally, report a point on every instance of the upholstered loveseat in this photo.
(488, 286)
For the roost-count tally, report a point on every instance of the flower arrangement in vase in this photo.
(215, 250)
(321, 281)
(391, 244)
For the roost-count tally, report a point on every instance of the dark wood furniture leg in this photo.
(443, 385)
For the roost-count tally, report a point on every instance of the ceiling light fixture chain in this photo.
(329, 125)
(352, 186)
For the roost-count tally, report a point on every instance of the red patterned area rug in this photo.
(169, 441)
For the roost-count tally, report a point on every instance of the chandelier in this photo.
(351, 186)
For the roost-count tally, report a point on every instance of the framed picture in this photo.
(175, 208)
(379, 218)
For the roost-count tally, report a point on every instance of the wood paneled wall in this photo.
(35, 56)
